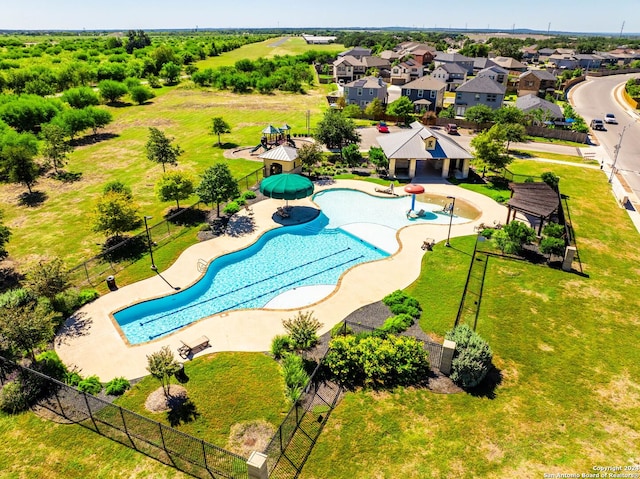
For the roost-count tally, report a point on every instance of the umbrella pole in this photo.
(413, 202)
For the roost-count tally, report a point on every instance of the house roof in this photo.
(493, 69)
(480, 63)
(349, 60)
(410, 144)
(280, 153)
(452, 68)
(367, 82)
(375, 62)
(530, 102)
(452, 57)
(547, 51)
(481, 84)
(540, 74)
(509, 63)
(425, 83)
(389, 55)
(356, 51)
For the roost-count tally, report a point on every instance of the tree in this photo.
(162, 365)
(479, 114)
(449, 112)
(21, 167)
(551, 179)
(55, 148)
(217, 185)
(140, 94)
(512, 237)
(5, 235)
(375, 109)
(508, 114)
(336, 131)
(218, 127)
(97, 118)
(80, 97)
(513, 132)
(73, 121)
(378, 158)
(170, 72)
(111, 90)
(352, 111)
(160, 150)
(351, 155)
(310, 154)
(555, 246)
(489, 147)
(174, 185)
(117, 186)
(26, 321)
(115, 214)
(402, 108)
(48, 278)
(303, 330)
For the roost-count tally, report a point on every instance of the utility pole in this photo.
(548, 28)
(621, 28)
(615, 156)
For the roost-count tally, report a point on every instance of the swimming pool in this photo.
(352, 228)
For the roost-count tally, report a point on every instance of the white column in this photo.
(465, 168)
(392, 167)
(448, 348)
(412, 167)
(257, 466)
(445, 168)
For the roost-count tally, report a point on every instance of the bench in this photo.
(193, 347)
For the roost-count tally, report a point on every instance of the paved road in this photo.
(597, 96)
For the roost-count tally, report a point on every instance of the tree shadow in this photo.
(9, 278)
(226, 146)
(33, 199)
(67, 176)
(92, 139)
(487, 388)
(186, 216)
(240, 225)
(76, 326)
(119, 104)
(117, 248)
(181, 410)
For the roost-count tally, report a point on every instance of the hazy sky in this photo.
(573, 15)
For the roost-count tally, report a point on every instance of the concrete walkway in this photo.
(92, 341)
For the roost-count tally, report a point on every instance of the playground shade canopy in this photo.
(286, 186)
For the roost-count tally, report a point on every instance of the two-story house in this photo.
(347, 69)
(479, 91)
(549, 111)
(428, 91)
(510, 64)
(450, 73)
(496, 73)
(406, 71)
(454, 58)
(363, 91)
(383, 66)
(480, 63)
(537, 82)
(588, 61)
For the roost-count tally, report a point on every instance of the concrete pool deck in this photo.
(92, 342)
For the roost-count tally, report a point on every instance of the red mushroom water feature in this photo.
(414, 190)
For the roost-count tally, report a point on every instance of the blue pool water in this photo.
(316, 253)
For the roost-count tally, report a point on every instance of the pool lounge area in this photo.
(94, 343)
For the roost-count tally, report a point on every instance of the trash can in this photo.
(111, 283)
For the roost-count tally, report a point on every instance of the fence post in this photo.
(90, 413)
(448, 348)
(257, 466)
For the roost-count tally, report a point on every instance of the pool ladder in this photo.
(201, 265)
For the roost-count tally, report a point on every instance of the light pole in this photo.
(146, 227)
(453, 205)
(615, 157)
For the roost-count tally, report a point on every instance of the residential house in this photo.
(538, 82)
(378, 63)
(406, 71)
(510, 64)
(450, 73)
(496, 73)
(531, 102)
(426, 90)
(564, 61)
(545, 53)
(455, 58)
(530, 54)
(357, 52)
(390, 55)
(348, 69)
(422, 150)
(480, 63)
(479, 91)
(588, 61)
(421, 52)
(363, 91)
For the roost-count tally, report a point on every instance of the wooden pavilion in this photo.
(533, 199)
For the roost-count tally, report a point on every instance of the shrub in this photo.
(280, 345)
(50, 364)
(487, 232)
(295, 376)
(553, 246)
(400, 302)
(240, 201)
(72, 378)
(472, 358)
(90, 385)
(249, 195)
(377, 361)
(12, 398)
(70, 300)
(553, 230)
(232, 208)
(341, 329)
(397, 324)
(117, 386)
(303, 330)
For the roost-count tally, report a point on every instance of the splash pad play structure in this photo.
(273, 136)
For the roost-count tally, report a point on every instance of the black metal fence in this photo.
(292, 443)
(516, 177)
(163, 443)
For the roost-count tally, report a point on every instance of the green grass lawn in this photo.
(565, 345)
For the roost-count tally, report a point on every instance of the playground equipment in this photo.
(273, 136)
